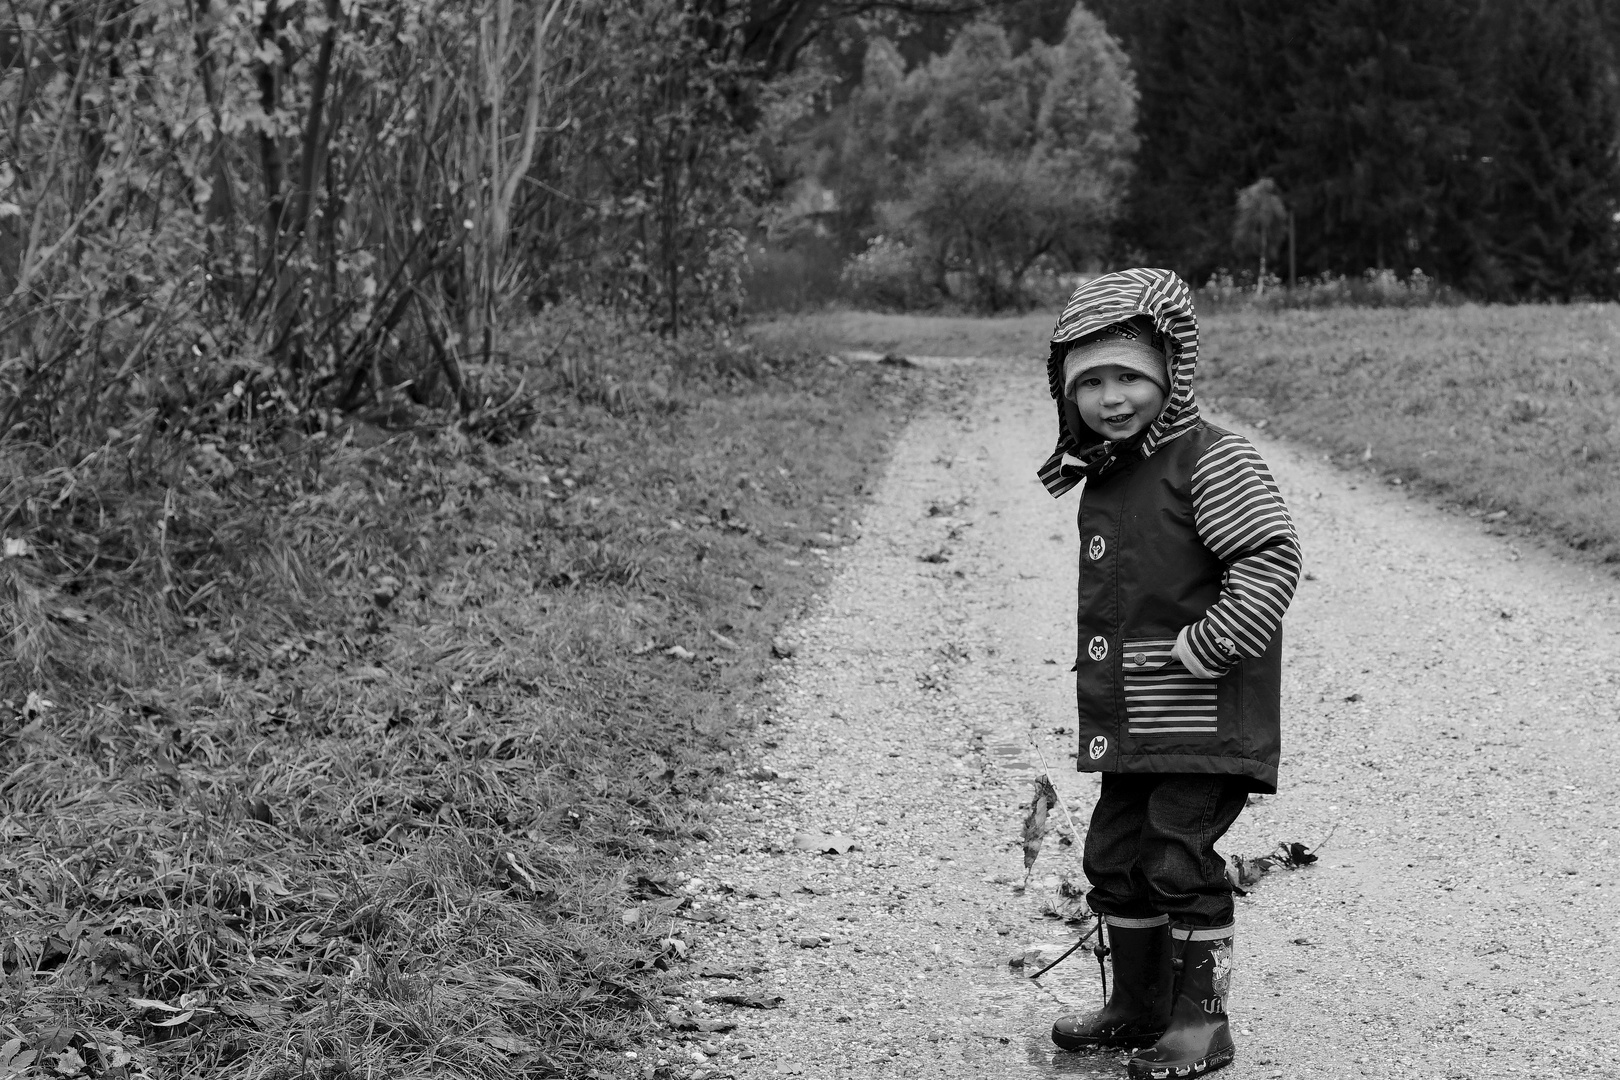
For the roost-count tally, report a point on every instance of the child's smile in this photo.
(1116, 402)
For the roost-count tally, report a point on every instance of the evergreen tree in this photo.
(1557, 180)
(1380, 127)
(1214, 82)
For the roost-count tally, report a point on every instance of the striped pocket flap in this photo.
(1161, 696)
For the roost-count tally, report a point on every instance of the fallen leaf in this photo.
(13, 1058)
(1069, 902)
(1297, 854)
(749, 1001)
(648, 885)
(693, 1023)
(1035, 819)
(384, 589)
(149, 1003)
(935, 557)
(69, 1063)
(680, 653)
(1243, 872)
(35, 705)
(175, 1021)
(704, 914)
(835, 844)
(1353, 697)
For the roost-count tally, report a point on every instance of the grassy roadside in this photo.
(1511, 412)
(364, 779)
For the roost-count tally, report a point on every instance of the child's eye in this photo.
(1128, 376)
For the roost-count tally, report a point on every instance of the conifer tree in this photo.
(1557, 180)
(1214, 79)
(1379, 126)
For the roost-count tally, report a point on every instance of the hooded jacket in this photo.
(1188, 560)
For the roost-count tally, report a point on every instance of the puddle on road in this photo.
(1030, 1009)
(1013, 758)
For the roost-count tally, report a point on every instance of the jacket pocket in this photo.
(1163, 698)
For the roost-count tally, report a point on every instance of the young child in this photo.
(1188, 559)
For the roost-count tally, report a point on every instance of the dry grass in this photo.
(357, 755)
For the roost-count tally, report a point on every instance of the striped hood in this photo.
(1100, 302)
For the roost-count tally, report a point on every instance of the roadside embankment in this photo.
(349, 761)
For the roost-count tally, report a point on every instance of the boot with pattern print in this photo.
(1138, 1010)
(1198, 1040)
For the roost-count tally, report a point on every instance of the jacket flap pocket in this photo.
(1146, 656)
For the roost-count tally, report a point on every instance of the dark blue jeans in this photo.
(1151, 847)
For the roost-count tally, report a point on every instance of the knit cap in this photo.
(1133, 344)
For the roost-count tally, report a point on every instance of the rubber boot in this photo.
(1138, 1009)
(1197, 1040)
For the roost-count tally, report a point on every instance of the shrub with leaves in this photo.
(986, 161)
(215, 212)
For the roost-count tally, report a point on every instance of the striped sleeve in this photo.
(1240, 516)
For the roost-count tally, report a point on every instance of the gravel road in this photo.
(1451, 701)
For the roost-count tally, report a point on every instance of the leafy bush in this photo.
(216, 213)
(985, 161)
(799, 275)
(889, 274)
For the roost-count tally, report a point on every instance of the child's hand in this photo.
(1182, 655)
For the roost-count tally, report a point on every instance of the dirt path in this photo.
(1452, 706)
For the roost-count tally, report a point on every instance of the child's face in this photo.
(1117, 402)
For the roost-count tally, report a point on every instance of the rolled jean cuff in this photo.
(1136, 924)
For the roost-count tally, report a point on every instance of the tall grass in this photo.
(345, 759)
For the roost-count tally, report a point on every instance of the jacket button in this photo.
(1139, 659)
